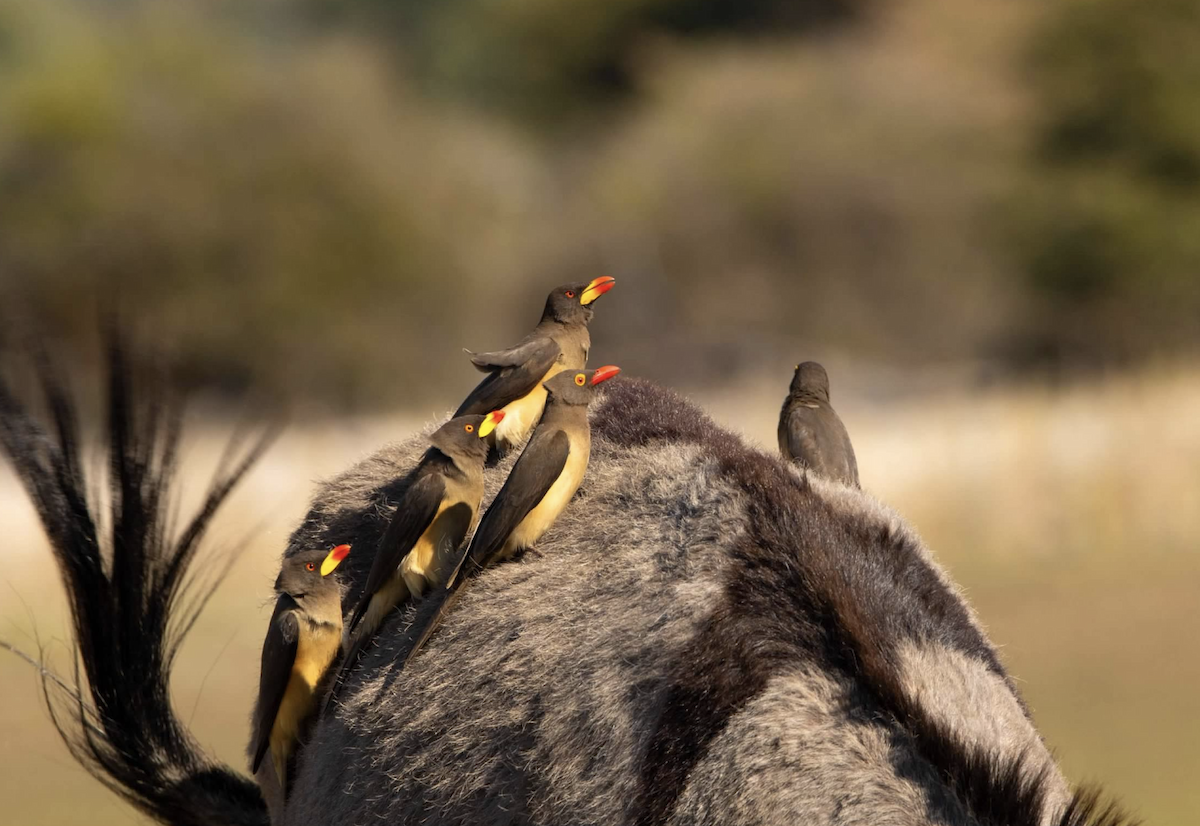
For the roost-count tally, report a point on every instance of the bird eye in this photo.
(580, 378)
(570, 293)
(310, 566)
(470, 428)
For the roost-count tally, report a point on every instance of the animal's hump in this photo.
(635, 412)
(701, 614)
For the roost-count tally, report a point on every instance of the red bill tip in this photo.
(605, 373)
(339, 553)
(596, 288)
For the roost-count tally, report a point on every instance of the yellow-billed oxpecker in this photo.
(514, 383)
(302, 641)
(810, 432)
(543, 480)
(420, 546)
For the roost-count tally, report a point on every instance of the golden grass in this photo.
(1069, 517)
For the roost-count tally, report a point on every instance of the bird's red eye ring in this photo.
(470, 428)
(570, 293)
(580, 378)
(310, 566)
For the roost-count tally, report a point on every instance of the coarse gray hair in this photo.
(707, 635)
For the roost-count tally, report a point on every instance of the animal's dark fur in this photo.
(706, 636)
(1089, 807)
(798, 576)
(126, 579)
(856, 590)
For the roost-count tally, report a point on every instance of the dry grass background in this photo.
(1069, 516)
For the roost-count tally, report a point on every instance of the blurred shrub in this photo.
(280, 211)
(304, 217)
(782, 199)
(1111, 221)
(301, 222)
(548, 61)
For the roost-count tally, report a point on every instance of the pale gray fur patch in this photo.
(530, 703)
(980, 709)
(810, 749)
(958, 691)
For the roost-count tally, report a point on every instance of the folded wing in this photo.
(278, 657)
(513, 373)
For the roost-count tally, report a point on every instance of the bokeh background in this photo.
(983, 217)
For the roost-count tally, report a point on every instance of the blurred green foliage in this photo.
(549, 62)
(253, 202)
(327, 201)
(1113, 216)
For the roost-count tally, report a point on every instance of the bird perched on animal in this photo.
(810, 432)
(543, 480)
(419, 548)
(302, 641)
(514, 383)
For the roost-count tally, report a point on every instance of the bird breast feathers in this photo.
(522, 415)
(440, 540)
(552, 504)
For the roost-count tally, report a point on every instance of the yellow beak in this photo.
(596, 288)
(335, 557)
(489, 422)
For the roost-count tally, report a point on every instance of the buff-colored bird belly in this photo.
(427, 565)
(429, 562)
(315, 650)
(546, 511)
(522, 415)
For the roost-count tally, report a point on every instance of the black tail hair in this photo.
(131, 587)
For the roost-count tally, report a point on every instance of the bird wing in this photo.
(819, 440)
(803, 437)
(416, 512)
(531, 478)
(512, 373)
(538, 468)
(525, 350)
(278, 657)
(851, 460)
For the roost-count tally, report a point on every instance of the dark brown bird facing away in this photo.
(420, 546)
(810, 432)
(302, 641)
(541, 484)
(514, 383)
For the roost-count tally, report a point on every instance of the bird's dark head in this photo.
(572, 303)
(308, 576)
(464, 438)
(578, 386)
(810, 379)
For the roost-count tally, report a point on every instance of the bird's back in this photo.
(812, 434)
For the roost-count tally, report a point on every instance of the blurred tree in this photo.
(1111, 220)
(299, 221)
(255, 202)
(279, 199)
(550, 62)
